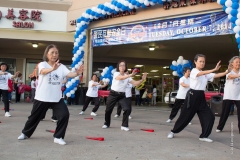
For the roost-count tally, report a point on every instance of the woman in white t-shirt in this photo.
(154, 95)
(92, 94)
(195, 101)
(231, 93)
(4, 76)
(184, 86)
(33, 87)
(48, 94)
(128, 94)
(117, 94)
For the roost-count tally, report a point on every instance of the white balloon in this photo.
(73, 58)
(67, 85)
(103, 12)
(72, 91)
(107, 80)
(179, 61)
(79, 25)
(76, 78)
(229, 16)
(218, 1)
(180, 57)
(236, 35)
(75, 88)
(68, 94)
(185, 61)
(236, 29)
(141, 1)
(75, 43)
(228, 3)
(73, 80)
(174, 63)
(175, 73)
(126, 3)
(228, 10)
(73, 69)
(80, 49)
(152, 4)
(130, 6)
(237, 22)
(78, 52)
(106, 68)
(238, 15)
(102, 74)
(146, 2)
(116, 9)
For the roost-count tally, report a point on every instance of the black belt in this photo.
(117, 92)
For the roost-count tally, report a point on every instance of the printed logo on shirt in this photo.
(54, 79)
(3, 78)
(236, 81)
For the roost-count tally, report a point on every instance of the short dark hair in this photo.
(94, 75)
(154, 86)
(125, 66)
(5, 64)
(185, 70)
(199, 55)
(20, 74)
(46, 51)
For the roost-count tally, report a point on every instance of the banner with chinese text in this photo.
(209, 24)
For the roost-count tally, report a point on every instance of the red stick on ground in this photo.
(9, 109)
(96, 138)
(90, 118)
(52, 131)
(148, 130)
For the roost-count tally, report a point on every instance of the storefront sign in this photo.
(23, 15)
(119, 14)
(209, 24)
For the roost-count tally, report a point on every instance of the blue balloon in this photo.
(238, 40)
(222, 2)
(234, 12)
(235, 1)
(239, 46)
(224, 8)
(233, 19)
(73, 96)
(235, 5)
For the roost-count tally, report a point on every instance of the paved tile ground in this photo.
(121, 145)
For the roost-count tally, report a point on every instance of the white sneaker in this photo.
(81, 112)
(218, 131)
(170, 135)
(93, 114)
(129, 117)
(104, 126)
(189, 123)
(7, 114)
(169, 120)
(205, 139)
(124, 128)
(59, 141)
(116, 116)
(53, 120)
(22, 137)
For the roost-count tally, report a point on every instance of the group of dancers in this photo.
(191, 95)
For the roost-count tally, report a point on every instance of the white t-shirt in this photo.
(154, 92)
(128, 92)
(119, 85)
(137, 92)
(182, 91)
(18, 80)
(92, 90)
(199, 83)
(232, 88)
(49, 85)
(33, 84)
(4, 81)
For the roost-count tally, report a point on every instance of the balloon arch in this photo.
(231, 7)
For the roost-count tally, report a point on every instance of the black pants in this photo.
(33, 94)
(226, 107)
(39, 110)
(177, 105)
(4, 94)
(17, 95)
(112, 99)
(129, 103)
(198, 105)
(137, 100)
(88, 100)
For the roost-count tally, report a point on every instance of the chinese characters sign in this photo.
(178, 28)
(23, 15)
